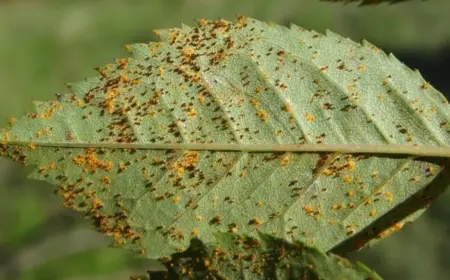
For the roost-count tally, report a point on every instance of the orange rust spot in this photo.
(350, 193)
(191, 112)
(362, 67)
(97, 204)
(430, 170)
(201, 98)
(136, 82)
(348, 179)
(127, 47)
(187, 52)
(324, 69)
(176, 199)
(264, 116)
(308, 210)
(255, 221)
(123, 78)
(32, 146)
(351, 165)
(11, 120)
(199, 218)
(327, 172)
(425, 85)
(287, 107)
(161, 71)
(207, 263)
(388, 196)
(372, 213)
(123, 63)
(285, 160)
(390, 230)
(203, 21)
(47, 114)
(70, 137)
(181, 249)
(233, 229)
(195, 232)
(241, 21)
(415, 179)
(310, 117)
(91, 163)
(351, 86)
(106, 180)
(174, 37)
(254, 102)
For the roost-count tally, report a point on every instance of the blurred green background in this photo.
(44, 44)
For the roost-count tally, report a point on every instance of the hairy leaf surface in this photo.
(242, 127)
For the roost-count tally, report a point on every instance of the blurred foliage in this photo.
(369, 2)
(47, 43)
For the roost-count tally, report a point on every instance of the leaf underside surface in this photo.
(119, 147)
(239, 257)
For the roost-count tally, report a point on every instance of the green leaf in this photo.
(245, 127)
(240, 257)
(93, 262)
(369, 2)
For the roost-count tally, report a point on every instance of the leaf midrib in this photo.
(396, 149)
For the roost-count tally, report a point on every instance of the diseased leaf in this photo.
(368, 2)
(244, 127)
(240, 257)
